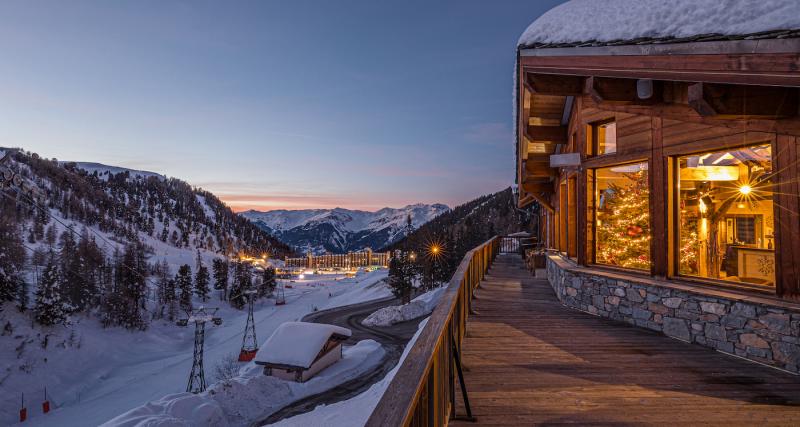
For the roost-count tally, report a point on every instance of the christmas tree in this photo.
(623, 223)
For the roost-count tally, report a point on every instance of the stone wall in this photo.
(754, 328)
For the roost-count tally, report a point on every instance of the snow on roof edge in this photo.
(579, 23)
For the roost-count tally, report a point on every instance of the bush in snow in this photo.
(226, 369)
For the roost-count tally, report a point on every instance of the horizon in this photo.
(236, 101)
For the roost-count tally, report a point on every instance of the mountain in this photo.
(468, 225)
(92, 226)
(341, 230)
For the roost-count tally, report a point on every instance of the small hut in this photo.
(297, 351)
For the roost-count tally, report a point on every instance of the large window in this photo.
(620, 215)
(725, 210)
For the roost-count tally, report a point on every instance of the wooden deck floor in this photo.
(532, 361)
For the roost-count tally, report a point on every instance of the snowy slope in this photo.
(341, 230)
(607, 20)
(93, 373)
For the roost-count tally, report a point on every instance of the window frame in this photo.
(592, 142)
(591, 207)
(674, 231)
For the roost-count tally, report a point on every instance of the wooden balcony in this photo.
(528, 360)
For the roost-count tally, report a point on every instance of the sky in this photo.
(272, 104)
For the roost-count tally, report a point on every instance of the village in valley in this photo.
(337, 213)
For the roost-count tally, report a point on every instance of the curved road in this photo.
(392, 338)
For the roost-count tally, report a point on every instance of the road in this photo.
(393, 339)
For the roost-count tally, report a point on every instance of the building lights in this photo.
(745, 189)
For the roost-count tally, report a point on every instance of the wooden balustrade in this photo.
(423, 391)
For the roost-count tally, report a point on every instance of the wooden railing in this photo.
(423, 391)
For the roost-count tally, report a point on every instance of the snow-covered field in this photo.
(93, 374)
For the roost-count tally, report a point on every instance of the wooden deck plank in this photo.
(529, 360)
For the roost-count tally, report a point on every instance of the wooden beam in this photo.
(554, 84)
(543, 202)
(603, 89)
(779, 69)
(537, 187)
(537, 168)
(685, 113)
(743, 102)
(555, 134)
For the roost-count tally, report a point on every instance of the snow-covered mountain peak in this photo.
(340, 229)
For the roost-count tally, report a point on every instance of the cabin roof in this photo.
(298, 343)
(585, 23)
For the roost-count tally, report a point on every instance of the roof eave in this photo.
(722, 47)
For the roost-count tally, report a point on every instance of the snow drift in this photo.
(418, 307)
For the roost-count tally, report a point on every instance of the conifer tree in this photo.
(201, 280)
(242, 281)
(220, 268)
(267, 282)
(49, 308)
(184, 283)
(12, 257)
(402, 272)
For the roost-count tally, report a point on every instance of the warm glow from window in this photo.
(726, 224)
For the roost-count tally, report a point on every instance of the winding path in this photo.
(393, 339)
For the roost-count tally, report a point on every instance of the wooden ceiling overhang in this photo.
(749, 84)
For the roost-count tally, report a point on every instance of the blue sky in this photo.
(290, 104)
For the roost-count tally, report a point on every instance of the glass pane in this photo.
(607, 138)
(726, 215)
(622, 216)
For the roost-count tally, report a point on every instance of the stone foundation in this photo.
(756, 328)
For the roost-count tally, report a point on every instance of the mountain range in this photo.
(341, 230)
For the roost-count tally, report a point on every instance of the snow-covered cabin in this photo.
(297, 351)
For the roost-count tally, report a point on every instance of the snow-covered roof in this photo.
(297, 343)
(609, 22)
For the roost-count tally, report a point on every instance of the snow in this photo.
(249, 397)
(297, 343)
(93, 373)
(418, 307)
(355, 411)
(607, 20)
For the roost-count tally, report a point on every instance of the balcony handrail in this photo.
(422, 391)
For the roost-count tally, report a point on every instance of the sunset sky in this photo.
(290, 104)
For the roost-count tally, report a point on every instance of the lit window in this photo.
(602, 138)
(620, 216)
(726, 216)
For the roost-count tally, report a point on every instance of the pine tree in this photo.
(201, 280)
(49, 308)
(132, 285)
(267, 282)
(184, 283)
(220, 268)
(623, 230)
(12, 258)
(402, 272)
(242, 281)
